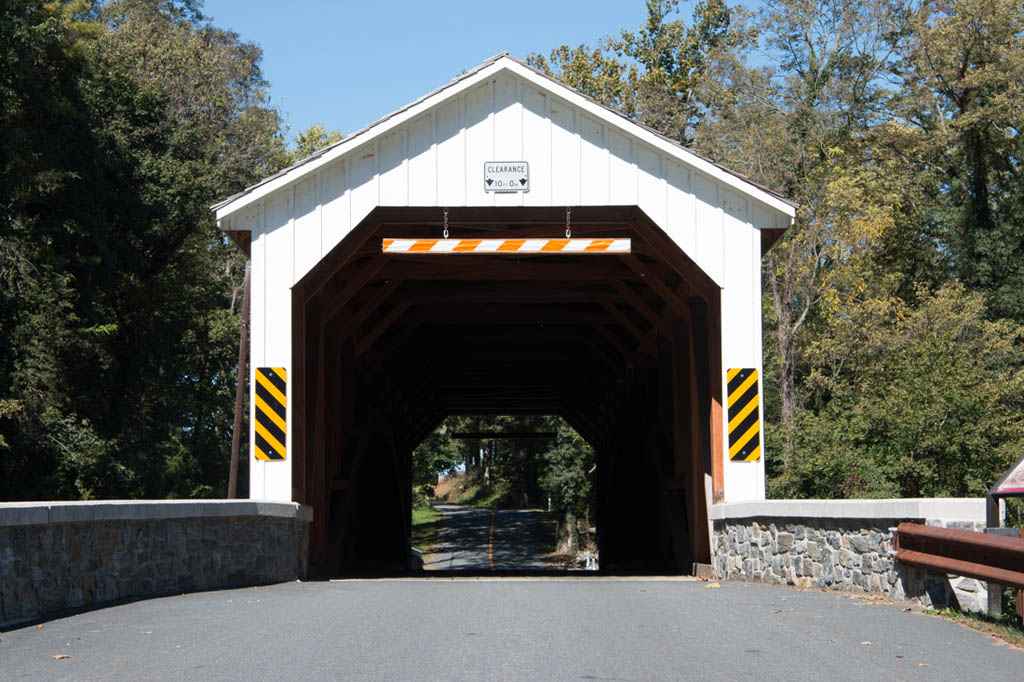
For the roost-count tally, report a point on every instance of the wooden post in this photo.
(707, 373)
(317, 486)
(243, 347)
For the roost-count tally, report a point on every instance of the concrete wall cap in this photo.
(39, 513)
(941, 508)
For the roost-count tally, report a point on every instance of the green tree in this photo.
(567, 479)
(119, 303)
(962, 104)
(650, 74)
(929, 403)
(313, 139)
(801, 123)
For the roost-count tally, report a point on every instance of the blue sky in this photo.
(345, 64)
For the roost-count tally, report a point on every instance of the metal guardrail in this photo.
(993, 558)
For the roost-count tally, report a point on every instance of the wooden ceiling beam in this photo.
(637, 301)
(337, 300)
(340, 256)
(532, 292)
(482, 230)
(679, 305)
(366, 309)
(471, 315)
(504, 269)
(380, 327)
(670, 253)
(615, 342)
(623, 321)
(506, 215)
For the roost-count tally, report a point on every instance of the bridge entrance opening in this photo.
(626, 348)
(504, 493)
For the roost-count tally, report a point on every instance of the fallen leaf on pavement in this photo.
(714, 586)
(924, 665)
(58, 657)
(147, 632)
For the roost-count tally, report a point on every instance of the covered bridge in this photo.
(363, 341)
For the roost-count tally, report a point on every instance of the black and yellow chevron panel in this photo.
(271, 413)
(744, 418)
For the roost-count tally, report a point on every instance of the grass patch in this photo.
(1007, 628)
(481, 496)
(424, 527)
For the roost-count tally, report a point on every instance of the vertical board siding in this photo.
(394, 173)
(708, 225)
(257, 340)
(308, 239)
(650, 185)
(565, 154)
(364, 182)
(437, 159)
(508, 131)
(593, 163)
(451, 155)
(422, 176)
(537, 145)
(335, 214)
(575, 159)
(621, 171)
(279, 256)
(479, 143)
(679, 221)
(740, 348)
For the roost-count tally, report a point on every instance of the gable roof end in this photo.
(466, 81)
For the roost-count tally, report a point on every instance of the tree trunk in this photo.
(570, 541)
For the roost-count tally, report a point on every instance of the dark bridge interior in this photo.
(621, 346)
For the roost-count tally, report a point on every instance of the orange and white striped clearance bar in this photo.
(581, 246)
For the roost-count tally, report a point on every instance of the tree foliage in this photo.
(523, 472)
(119, 297)
(312, 140)
(892, 309)
(651, 73)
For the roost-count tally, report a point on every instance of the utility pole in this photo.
(243, 345)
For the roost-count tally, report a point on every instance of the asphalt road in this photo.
(572, 628)
(472, 539)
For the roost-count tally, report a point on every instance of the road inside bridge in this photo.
(473, 539)
(571, 628)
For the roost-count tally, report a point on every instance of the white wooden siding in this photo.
(435, 157)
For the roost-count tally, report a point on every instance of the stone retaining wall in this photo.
(843, 545)
(56, 556)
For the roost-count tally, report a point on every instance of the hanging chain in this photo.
(568, 222)
(446, 222)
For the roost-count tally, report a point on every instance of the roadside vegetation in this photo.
(555, 474)
(893, 310)
(1008, 627)
(424, 527)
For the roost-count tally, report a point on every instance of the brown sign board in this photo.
(1012, 482)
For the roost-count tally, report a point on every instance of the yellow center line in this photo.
(490, 543)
